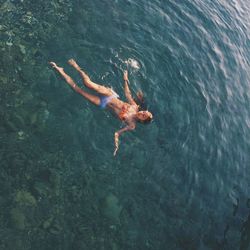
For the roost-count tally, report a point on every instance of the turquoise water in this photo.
(181, 182)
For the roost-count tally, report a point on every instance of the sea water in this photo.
(181, 182)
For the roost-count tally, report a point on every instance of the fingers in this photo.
(116, 149)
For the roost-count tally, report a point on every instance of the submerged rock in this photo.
(111, 208)
(33, 118)
(114, 246)
(22, 49)
(42, 189)
(47, 223)
(21, 135)
(27, 96)
(25, 198)
(8, 6)
(18, 219)
(55, 228)
(10, 126)
(18, 120)
(3, 80)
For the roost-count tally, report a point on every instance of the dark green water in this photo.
(182, 182)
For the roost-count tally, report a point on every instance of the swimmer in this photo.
(128, 112)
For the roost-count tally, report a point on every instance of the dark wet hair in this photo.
(142, 104)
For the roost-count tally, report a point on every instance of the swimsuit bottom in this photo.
(106, 99)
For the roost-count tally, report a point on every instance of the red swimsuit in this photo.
(122, 115)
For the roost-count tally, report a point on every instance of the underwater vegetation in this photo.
(44, 205)
(58, 189)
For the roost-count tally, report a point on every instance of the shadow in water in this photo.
(245, 232)
(244, 241)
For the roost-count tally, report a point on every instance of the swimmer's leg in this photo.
(92, 98)
(87, 82)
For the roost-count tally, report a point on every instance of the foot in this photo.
(73, 63)
(55, 66)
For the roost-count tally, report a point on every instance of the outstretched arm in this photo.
(127, 90)
(118, 133)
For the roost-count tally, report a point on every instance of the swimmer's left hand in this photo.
(116, 143)
(140, 96)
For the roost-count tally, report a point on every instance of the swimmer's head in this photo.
(144, 116)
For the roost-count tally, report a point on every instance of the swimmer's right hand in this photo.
(139, 95)
(116, 142)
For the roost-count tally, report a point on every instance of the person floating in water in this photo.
(128, 112)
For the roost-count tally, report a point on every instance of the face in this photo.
(144, 115)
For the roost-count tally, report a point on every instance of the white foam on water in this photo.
(133, 63)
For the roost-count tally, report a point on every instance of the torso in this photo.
(125, 111)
